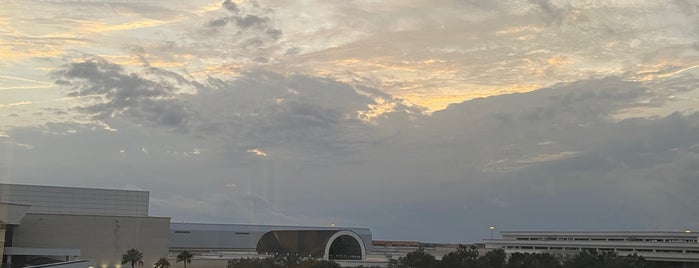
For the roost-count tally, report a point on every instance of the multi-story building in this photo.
(678, 246)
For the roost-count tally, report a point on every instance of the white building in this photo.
(653, 246)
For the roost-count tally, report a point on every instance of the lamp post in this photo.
(492, 228)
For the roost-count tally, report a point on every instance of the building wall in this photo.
(70, 200)
(239, 237)
(214, 240)
(101, 239)
(654, 246)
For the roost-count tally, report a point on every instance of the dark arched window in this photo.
(345, 247)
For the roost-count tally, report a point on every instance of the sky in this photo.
(422, 120)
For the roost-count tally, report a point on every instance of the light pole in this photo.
(492, 228)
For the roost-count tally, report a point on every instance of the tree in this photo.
(533, 260)
(417, 259)
(393, 263)
(253, 263)
(604, 259)
(493, 259)
(463, 257)
(162, 263)
(132, 256)
(185, 257)
(288, 259)
(325, 264)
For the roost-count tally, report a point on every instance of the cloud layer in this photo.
(423, 120)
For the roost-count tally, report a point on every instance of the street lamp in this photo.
(491, 231)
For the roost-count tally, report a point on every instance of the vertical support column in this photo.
(2, 242)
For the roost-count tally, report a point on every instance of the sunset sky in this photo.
(422, 120)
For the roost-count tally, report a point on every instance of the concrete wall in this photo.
(101, 239)
(71, 200)
(211, 240)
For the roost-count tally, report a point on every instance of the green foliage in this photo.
(468, 257)
(463, 257)
(325, 264)
(185, 257)
(494, 259)
(417, 259)
(393, 263)
(162, 263)
(132, 256)
(279, 262)
(533, 260)
(253, 263)
(595, 259)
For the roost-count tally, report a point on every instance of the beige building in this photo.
(44, 224)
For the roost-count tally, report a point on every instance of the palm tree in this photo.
(133, 256)
(185, 257)
(162, 263)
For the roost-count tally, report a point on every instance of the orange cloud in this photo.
(559, 60)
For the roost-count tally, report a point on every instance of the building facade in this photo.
(653, 246)
(78, 201)
(318, 242)
(48, 224)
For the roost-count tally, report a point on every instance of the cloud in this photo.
(258, 29)
(230, 6)
(257, 152)
(590, 104)
(316, 112)
(119, 93)
(504, 157)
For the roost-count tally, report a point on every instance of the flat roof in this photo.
(68, 187)
(602, 233)
(98, 215)
(258, 228)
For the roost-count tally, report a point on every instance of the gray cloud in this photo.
(230, 6)
(259, 109)
(497, 160)
(119, 93)
(619, 152)
(246, 22)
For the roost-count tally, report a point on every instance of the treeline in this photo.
(469, 257)
(282, 261)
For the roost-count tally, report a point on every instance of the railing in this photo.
(66, 263)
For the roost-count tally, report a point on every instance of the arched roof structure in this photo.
(318, 242)
(326, 244)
